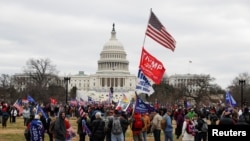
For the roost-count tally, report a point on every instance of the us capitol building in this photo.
(113, 71)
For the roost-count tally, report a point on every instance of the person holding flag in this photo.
(83, 124)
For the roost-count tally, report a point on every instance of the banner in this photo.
(151, 67)
(143, 85)
(142, 107)
(230, 100)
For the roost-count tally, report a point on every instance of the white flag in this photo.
(143, 85)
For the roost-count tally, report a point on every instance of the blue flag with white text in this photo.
(230, 100)
(143, 85)
(142, 107)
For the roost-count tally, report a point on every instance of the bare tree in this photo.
(4, 80)
(42, 74)
(200, 89)
(41, 71)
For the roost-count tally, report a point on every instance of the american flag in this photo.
(157, 32)
(18, 105)
(25, 101)
(81, 102)
(81, 111)
(73, 102)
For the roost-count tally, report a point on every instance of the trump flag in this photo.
(151, 67)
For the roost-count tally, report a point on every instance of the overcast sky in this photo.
(213, 34)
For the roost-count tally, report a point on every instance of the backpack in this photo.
(52, 126)
(116, 126)
(163, 123)
(106, 120)
(138, 124)
(204, 127)
(190, 129)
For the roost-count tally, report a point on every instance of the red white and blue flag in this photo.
(18, 105)
(157, 32)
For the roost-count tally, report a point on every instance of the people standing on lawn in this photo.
(70, 133)
(44, 122)
(13, 113)
(226, 117)
(26, 115)
(60, 129)
(48, 121)
(109, 116)
(115, 126)
(27, 128)
(187, 136)
(136, 129)
(146, 127)
(245, 116)
(179, 122)
(36, 129)
(200, 134)
(97, 131)
(168, 131)
(5, 115)
(213, 117)
(156, 125)
(1, 112)
(83, 124)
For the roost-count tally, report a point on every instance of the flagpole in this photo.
(134, 104)
(146, 28)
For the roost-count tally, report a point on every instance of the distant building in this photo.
(179, 80)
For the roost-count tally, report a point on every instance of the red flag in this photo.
(151, 67)
(53, 101)
(157, 32)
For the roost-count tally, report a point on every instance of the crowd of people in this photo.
(100, 122)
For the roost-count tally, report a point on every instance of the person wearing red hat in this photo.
(213, 117)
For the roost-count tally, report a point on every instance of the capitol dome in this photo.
(113, 57)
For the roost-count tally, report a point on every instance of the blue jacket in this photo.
(169, 127)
